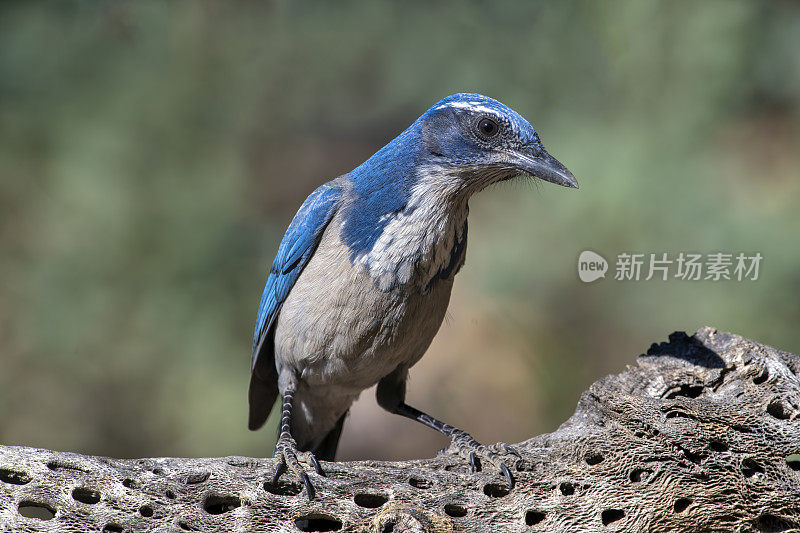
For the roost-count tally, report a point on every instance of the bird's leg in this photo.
(391, 396)
(289, 457)
(466, 445)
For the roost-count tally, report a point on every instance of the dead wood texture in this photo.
(702, 435)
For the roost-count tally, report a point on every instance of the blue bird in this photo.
(363, 275)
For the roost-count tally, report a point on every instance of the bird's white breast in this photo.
(417, 243)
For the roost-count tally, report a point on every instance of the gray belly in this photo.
(341, 334)
(337, 329)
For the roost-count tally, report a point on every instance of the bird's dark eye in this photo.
(487, 127)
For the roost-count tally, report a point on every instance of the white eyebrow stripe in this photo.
(474, 106)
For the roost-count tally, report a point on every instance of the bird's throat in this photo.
(423, 242)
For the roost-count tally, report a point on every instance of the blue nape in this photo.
(381, 186)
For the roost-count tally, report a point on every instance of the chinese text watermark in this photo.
(683, 266)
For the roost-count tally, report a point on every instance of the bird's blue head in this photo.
(459, 146)
(467, 138)
(485, 141)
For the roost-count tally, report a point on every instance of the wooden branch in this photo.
(702, 435)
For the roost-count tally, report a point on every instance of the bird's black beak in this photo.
(544, 166)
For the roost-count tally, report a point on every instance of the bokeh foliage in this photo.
(151, 155)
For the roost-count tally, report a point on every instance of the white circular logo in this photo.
(591, 266)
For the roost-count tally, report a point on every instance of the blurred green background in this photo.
(152, 154)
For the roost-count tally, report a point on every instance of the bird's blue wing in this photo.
(294, 252)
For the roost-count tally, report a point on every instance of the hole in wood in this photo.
(493, 490)
(593, 458)
(318, 523)
(55, 466)
(219, 504)
(638, 475)
(610, 516)
(718, 446)
(169, 494)
(567, 489)
(419, 483)
(774, 524)
(679, 414)
(689, 391)
(762, 377)
(455, 510)
(186, 527)
(86, 495)
(793, 462)
(283, 488)
(533, 517)
(750, 468)
(779, 410)
(146, 511)
(370, 501)
(198, 477)
(681, 504)
(113, 528)
(37, 510)
(14, 477)
(129, 483)
(694, 457)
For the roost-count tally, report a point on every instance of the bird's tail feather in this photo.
(262, 397)
(326, 449)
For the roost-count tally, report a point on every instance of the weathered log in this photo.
(702, 435)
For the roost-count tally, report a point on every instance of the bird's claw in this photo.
(475, 452)
(289, 458)
(474, 466)
(501, 448)
(311, 458)
(509, 478)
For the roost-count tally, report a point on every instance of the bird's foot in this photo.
(291, 459)
(476, 453)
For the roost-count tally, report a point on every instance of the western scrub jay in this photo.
(363, 275)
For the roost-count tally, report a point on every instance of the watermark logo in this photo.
(683, 266)
(591, 266)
